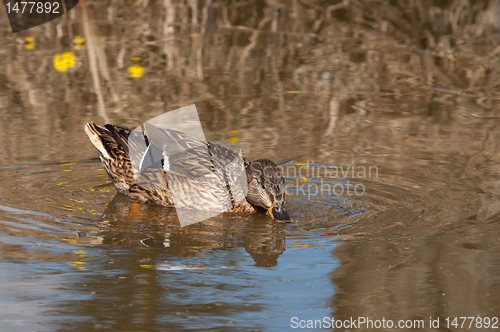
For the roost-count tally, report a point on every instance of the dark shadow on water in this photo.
(126, 223)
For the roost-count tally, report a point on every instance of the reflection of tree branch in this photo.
(331, 8)
(92, 45)
(276, 77)
(169, 48)
(200, 40)
(334, 115)
(242, 65)
(247, 49)
(363, 51)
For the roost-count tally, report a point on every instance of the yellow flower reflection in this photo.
(78, 265)
(78, 43)
(79, 40)
(135, 71)
(30, 43)
(63, 61)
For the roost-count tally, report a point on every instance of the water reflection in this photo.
(141, 289)
(410, 88)
(125, 223)
(452, 273)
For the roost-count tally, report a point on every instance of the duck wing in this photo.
(199, 174)
(168, 168)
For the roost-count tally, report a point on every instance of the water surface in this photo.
(395, 203)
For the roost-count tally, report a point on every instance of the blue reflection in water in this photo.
(222, 287)
(299, 286)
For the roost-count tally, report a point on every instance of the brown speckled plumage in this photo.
(266, 188)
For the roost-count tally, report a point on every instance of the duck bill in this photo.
(277, 211)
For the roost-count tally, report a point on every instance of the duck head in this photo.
(266, 188)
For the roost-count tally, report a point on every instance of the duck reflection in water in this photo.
(127, 223)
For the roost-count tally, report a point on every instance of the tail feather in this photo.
(113, 155)
(96, 133)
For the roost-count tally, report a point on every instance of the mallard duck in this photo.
(177, 180)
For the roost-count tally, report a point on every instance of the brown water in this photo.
(395, 204)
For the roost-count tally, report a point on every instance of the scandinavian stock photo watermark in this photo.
(312, 179)
(469, 322)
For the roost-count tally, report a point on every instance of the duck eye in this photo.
(265, 184)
